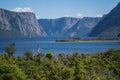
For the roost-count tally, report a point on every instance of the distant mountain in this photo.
(68, 26)
(55, 27)
(109, 26)
(82, 27)
(19, 24)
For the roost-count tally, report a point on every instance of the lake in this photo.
(48, 44)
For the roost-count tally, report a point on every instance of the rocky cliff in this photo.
(109, 26)
(69, 26)
(19, 24)
(55, 27)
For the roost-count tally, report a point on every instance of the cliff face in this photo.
(56, 27)
(19, 24)
(109, 26)
(68, 26)
(82, 27)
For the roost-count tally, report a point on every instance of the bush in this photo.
(28, 54)
(49, 55)
(10, 49)
(11, 72)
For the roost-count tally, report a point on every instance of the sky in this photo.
(61, 8)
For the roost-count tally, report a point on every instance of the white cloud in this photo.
(99, 15)
(19, 9)
(79, 15)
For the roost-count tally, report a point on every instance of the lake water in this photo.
(47, 44)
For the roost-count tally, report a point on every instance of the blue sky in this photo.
(62, 8)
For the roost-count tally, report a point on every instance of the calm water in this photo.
(50, 45)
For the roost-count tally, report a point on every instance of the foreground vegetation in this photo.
(98, 66)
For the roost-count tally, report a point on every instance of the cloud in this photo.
(19, 9)
(99, 15)
(79, 15)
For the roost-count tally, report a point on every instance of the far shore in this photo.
(88, 40)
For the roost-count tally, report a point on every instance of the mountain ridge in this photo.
(109, 26)
(64, 26)
(19, 24)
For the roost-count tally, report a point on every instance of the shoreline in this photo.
(87, 40)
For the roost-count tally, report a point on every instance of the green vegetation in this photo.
(11, 72)
(49, 55)
(76, 66)
(93, 39)
(10, 49)
(28, 54)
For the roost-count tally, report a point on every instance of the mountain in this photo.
(55, 27)
(109, 26)
(19, 24)
(68, 26)
(82, 27)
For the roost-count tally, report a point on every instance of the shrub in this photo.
(49, 55)
(10, 49)
(11, 72)
(28, 54)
